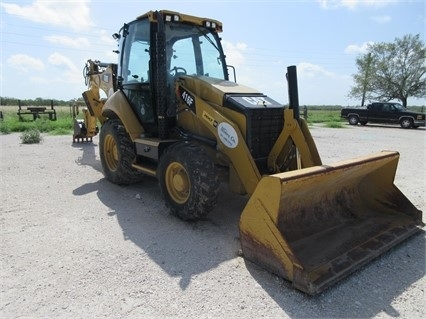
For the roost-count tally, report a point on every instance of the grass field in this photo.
(64, 123)
(330, 118)
(11, 123)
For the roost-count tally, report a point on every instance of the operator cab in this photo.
(157, 48)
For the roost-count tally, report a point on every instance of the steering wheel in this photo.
(177, 70)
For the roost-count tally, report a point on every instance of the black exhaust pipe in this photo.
(293, 95)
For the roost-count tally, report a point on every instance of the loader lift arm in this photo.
(294, 134)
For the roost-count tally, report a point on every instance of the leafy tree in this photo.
(391, 71)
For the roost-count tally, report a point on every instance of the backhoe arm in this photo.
(98, 76)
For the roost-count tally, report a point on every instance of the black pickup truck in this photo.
(384, 112)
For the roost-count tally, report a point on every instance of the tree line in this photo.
(10, 101)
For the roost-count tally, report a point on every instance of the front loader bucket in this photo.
(316, 225)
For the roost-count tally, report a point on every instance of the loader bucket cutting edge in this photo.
(316, 225)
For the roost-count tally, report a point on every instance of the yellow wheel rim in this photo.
(111, 153)
(177, 183)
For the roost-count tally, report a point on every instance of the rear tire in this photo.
(406, 123)
(117, 154)
(353, 120)
(188, 181)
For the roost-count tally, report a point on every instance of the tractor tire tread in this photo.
(125, 173)
(204, 181)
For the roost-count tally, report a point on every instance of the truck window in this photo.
(386, 107)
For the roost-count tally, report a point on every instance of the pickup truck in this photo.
(384, 112)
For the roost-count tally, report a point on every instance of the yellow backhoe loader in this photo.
(169, 110)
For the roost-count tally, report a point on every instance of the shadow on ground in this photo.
(184, 250)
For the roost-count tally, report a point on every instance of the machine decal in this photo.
(209, 119)
(252, 102)
(257, 100)
(187, 98)
(227, 135)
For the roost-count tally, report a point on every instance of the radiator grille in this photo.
(264, 123)
(263, 128)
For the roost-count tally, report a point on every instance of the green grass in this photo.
(324, 116)
(334, 124)
(328, 118)
(11, 123)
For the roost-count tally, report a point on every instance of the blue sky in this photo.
(45, 43)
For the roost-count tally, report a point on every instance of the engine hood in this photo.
(213, 90)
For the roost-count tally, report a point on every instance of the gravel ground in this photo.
(76, 246)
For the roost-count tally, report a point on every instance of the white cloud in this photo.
(306, 69)
(358, 49)
(70, 73)
(235, 53)
(352, 4)
(60, 60)
(66, 13)
(381, 19)
(67, 41)
(108, 44)
(106, 38)
(25, 63)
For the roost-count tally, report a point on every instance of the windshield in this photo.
(194, 50)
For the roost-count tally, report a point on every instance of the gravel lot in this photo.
(75, 246)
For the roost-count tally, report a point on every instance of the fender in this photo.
(406, 116)
(349, 114)
(118, 106)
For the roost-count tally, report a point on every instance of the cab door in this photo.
(135, 72)
(375, 111)
(389, 114)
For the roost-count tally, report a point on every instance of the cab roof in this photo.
(173, 16)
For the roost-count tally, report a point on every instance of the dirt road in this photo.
(76, 246)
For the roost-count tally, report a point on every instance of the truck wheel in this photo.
(406, 123)
(188, 181)
(117, 154)
(353, 120)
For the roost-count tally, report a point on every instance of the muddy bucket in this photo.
(316, 225)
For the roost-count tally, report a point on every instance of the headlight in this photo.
(170, 18)
(210, 24)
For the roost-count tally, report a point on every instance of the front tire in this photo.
(188, 181)
(406, 123)
(117, 154)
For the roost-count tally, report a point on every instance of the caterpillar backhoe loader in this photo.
(169, 110)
